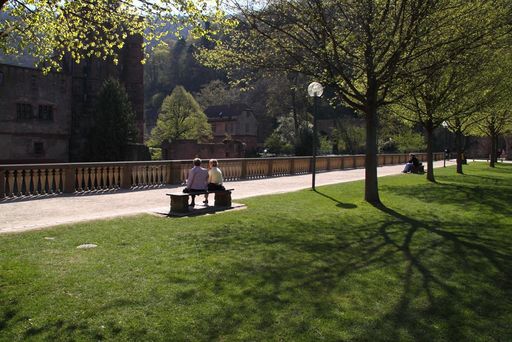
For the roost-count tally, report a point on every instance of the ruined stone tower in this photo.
(87, 79)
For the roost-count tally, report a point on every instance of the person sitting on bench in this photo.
(413, 163)
(215, 178)
(197, 180)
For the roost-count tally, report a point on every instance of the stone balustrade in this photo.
(33, 180)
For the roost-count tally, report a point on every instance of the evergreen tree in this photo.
(114, 123)
(180, 117)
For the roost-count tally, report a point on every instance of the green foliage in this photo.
(325, 145)
(304, 142)
(217, 93)
(350, 137)
(114, 123)
(275, 144)
(409, 141)
(173, 64)
(156, 153)
(433, 264)
(180, 117)
(50, 30)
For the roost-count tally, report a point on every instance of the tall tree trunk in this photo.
(429, 129)
(458, 146)
(492, 157)
(371, 191)
(295, 116)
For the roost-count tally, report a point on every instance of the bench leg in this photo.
(179, 204)
(223, 199)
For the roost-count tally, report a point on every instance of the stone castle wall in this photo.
(35, 115)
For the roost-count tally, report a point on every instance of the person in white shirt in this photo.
(197, 180)
(215, 178)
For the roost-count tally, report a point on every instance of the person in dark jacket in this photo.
(412, 163)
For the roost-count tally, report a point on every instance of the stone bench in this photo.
(179, 202)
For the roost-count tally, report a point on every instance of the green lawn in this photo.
(433, 264)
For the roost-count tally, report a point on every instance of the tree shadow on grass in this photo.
(476, 191)
(444, 299)
(441, 272)
(338, 203)
(8, 313)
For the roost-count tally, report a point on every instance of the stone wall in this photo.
(189, 149)
(35, 115)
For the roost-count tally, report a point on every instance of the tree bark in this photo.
(492, 155)
(429, 128)
(371, 191)
(458, 146)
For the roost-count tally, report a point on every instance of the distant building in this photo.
(233, 122)
(48, 118)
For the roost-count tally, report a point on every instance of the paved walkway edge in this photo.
(20, 216)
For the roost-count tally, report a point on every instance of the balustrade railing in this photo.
(29, 180)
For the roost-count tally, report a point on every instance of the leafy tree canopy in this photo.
(49, 30)
(180, 117)
(217, 93)
(362, 49)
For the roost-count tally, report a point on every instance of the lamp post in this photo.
(315, 90)
(445, 126)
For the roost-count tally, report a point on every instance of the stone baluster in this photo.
(80, 178)
(10, 181)
(36, 180)
(102, 182)
(58, 174)
(134, 173)
(142, 175)
(87, 179)
(69, 180)
(19, 181)
(26, 178)
(163, 176)
(126, 176)
(137, 175)
(115, 177)
(154, 175)
(43, 178)
(95, 183)
(51, 181)
(108, 177)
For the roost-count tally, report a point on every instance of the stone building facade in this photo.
(35, 115)
(49, 118)
(235, 122)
